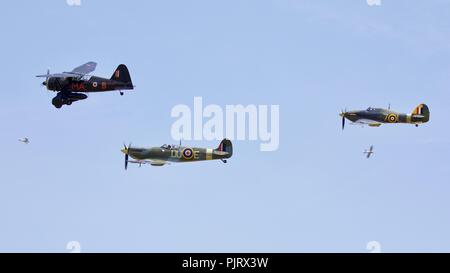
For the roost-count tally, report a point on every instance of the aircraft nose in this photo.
(344, 114)
(125, 151)
(44, 83)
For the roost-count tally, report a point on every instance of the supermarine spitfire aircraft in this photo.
(71, 86)
(160, 156)
(376, 116)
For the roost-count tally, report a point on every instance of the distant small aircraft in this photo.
(160, 156)
(369, 152)
(24, 140)
(374, 117)
(71, 86)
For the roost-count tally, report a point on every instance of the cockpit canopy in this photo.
(86, 77)
(168, 146)
(371, 109)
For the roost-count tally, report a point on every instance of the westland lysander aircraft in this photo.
(160, 156)
(71, 86)
(376, 116)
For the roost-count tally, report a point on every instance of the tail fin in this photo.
(422, 110)
(121, 74)
(226, 146)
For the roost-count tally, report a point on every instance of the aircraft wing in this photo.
(367, 122)
(77, 72)
(85, 69)
(60, 75)
(375, 124)
(221, 153)
(150, 162)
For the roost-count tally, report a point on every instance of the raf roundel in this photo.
(392, 118)
(94, 84)
(188, 153)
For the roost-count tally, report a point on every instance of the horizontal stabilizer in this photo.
(60, 75)
(157, 163)
(222, 153)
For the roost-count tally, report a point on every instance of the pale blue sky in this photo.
(316, 193)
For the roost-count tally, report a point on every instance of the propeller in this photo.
(44, 83)
(343, 115)
(125, 151)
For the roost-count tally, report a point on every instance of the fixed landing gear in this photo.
(57, 102)
(417, 125)
(224, 161)
(121, 93)
(67, 99)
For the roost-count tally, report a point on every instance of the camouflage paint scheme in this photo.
(160, 156)
(376, 116)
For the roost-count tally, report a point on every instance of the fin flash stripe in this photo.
(418, 110)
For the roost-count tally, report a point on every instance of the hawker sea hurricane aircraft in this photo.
(376, 116)
(71, 86)
(160, 156)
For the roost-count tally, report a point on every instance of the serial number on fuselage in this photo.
(186, 153)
